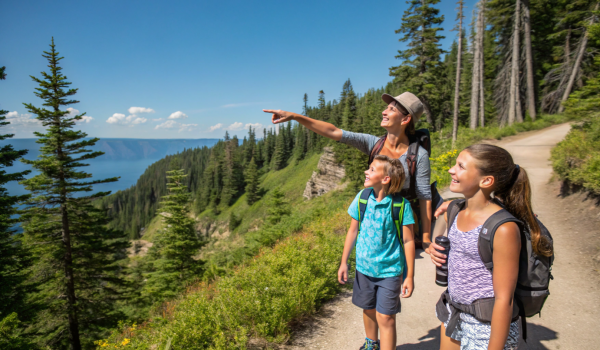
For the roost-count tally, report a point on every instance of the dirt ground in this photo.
(567, 318)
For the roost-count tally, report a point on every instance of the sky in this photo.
(194, 69)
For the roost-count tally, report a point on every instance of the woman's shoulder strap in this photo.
(377, 148)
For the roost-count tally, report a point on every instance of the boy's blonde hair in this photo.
(394, 169)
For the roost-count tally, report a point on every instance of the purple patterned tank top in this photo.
(468, 279)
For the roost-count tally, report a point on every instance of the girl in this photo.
(398, 119)
(480, 171)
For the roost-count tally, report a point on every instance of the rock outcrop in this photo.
(327, 177)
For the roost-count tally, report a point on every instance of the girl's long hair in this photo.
(511, 186)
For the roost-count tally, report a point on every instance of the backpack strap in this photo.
(453, 209)
(411, 162)
(363, 199)
(398, 203)
(377, 148)
(487, 232)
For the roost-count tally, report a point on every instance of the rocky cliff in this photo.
(327, 177)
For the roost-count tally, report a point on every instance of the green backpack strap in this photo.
(363, 199)
(398, 203)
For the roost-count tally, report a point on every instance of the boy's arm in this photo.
(348, 245)
(409, 252)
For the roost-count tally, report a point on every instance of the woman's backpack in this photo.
(535, 272)
(421, 138)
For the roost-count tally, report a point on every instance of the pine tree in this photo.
(252, 182)
(172, 255)
(13, 257)
(420, 69)
(279, 156)
(76, 257)
(278, 206)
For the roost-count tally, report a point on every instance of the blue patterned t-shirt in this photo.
(378, 252)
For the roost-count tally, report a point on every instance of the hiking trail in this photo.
(567, 320)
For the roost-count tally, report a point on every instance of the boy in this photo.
(384, 265)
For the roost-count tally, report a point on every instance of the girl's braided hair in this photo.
(393, 168)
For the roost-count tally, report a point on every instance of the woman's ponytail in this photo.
(512, 188)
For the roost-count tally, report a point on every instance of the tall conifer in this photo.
(76, 263)
(175, 247)
(252, 182)
(420, 70)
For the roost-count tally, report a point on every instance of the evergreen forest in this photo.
(98, 269)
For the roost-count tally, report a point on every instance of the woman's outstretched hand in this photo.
(280, 116)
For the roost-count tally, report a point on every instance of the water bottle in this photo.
(441, 272)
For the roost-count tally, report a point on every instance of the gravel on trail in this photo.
(574, 302)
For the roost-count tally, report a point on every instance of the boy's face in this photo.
(375, 176)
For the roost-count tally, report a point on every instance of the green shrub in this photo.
(577, 158)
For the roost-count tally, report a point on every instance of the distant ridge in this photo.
(125, 148)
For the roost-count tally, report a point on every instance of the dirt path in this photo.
(567, 321)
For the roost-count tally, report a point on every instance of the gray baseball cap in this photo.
(413, 105)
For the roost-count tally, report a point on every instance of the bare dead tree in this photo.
(475, 80)
(577, 64)
(514, 81)
(481, 32)
(529, 60)
(459, 17)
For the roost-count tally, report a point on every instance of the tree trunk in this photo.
(458, 68)
(68, 264)
(529, 61)
(475, 80)
(582, 47)
(514, 76)
(481, 33)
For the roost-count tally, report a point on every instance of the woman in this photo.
(480, 171)
(398, 119)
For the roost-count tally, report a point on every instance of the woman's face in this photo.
(465, 176)
(393, 117)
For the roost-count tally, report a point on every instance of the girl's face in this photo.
(393, 117)
(466, 179)
(375, 176)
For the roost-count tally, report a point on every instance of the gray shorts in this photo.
(382, 294)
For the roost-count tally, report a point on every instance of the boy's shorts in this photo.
(382, 294)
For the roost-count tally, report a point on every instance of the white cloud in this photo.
(119, 118)
(157, 119)
(216, 127)
(138, 110)
(116, 118)
(85, 119)
(178, 115)
(235, 126)
(256, 126)
(172, 124)
(16, 119)
(73, 112)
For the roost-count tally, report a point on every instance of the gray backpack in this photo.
(535, 272)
